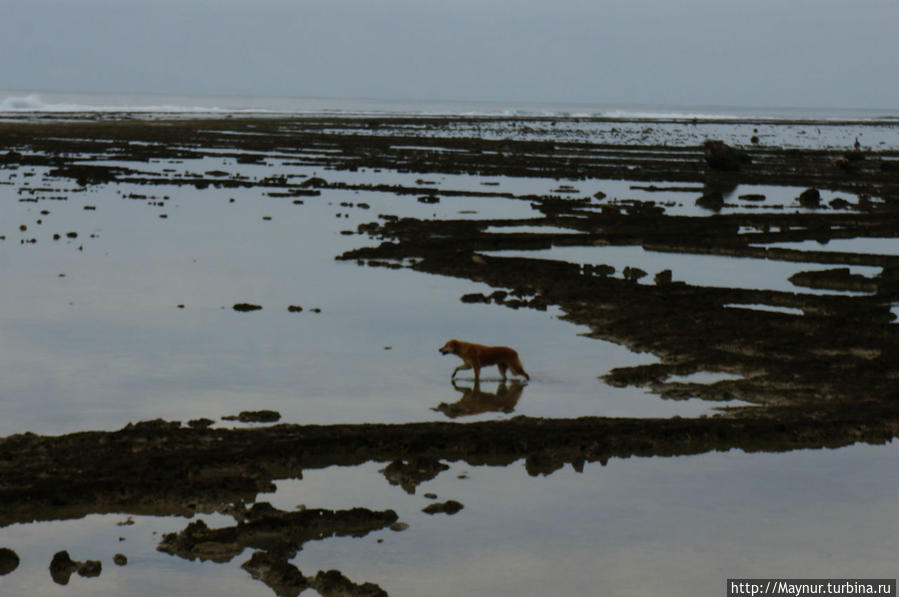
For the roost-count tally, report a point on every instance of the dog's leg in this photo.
(502, 369)
(460, 368)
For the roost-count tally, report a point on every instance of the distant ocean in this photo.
(25, 102)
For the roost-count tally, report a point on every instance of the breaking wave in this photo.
(149, 104)
(33, 102)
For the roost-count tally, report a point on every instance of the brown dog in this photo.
(476, 356)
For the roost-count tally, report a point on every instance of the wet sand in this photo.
(821, 375)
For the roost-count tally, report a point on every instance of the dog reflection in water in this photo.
(474, 401)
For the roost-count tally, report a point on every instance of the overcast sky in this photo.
(778, 53)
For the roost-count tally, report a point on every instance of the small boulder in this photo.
(9, 560)
(713, 200)
(314, 182)
(62, 567)
(720, 156)
(449, 507)
(633, 273)
(663, 277)
(244, 307)
(255, 416)
(810, 198)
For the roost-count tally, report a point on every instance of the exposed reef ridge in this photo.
(163, 468)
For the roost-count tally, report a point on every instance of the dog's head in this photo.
(450, 347)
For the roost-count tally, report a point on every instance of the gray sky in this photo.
(806, 53)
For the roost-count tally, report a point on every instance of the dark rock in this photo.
(602, 270)
(334, 584)
(449, 507)
(314, 182)
(838, 278)
(752, 197)
(429, 199)
(294, 308)
(633, 273)
(90, 569)
(284, 578)
(411, 474)
(154, 425)
(62, 567)
(86, 174)
(720, 156)
(810, 198)
(9, 560)
(282, 533)
(120, 559)
(10, 157)
(713, 200)
(663, 277)
(475, 297)
(247, 307)
(200, 423)
(255, 416)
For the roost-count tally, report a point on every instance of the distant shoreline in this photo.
(28, 103)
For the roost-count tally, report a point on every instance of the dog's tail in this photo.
(518, 368)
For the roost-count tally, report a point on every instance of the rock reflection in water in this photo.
(278, 536)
